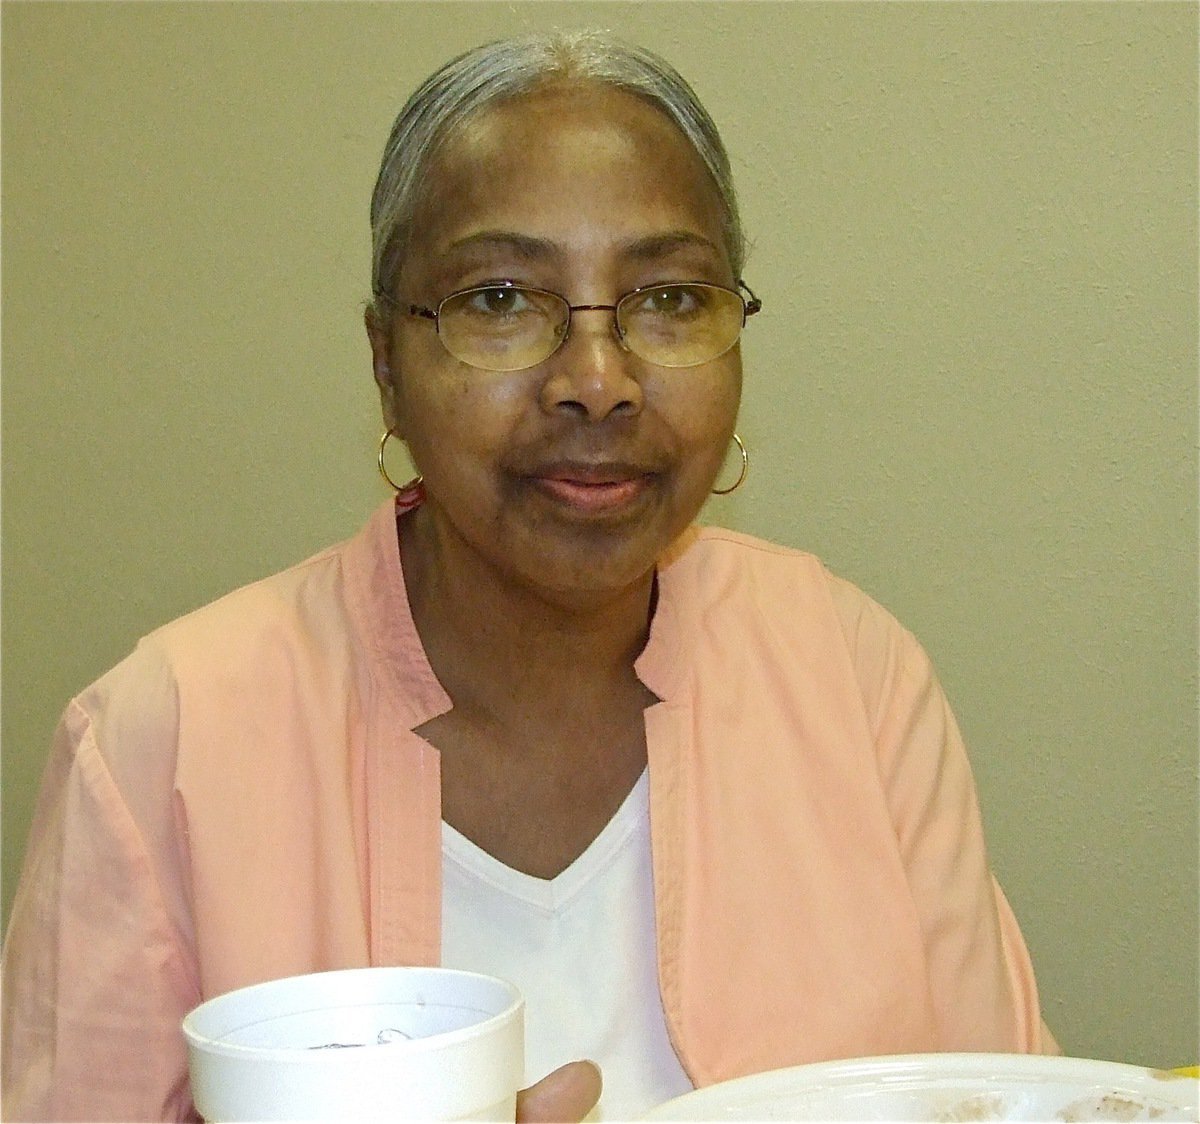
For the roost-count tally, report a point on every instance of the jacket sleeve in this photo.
(96, 971)
(981, 976)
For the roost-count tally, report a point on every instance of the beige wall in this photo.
(973, 389)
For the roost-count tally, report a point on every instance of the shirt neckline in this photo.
(551, 895)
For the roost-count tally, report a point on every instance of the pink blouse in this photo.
(244, 798)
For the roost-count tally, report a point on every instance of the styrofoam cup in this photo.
(363, 1043)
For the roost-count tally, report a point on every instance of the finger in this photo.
(566, 1095)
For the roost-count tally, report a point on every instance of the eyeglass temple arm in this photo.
(411, 309)
(753, 305)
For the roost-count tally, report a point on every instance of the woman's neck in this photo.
(494, 641)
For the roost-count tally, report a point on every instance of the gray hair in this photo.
(495, 72)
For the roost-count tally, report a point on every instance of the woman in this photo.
(704, 802)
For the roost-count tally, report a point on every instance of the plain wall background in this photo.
(973, 389)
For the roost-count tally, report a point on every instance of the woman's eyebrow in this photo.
(523, 245)
(648, 248)
(655, 246)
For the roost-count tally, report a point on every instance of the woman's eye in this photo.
(672, 301)
(499, 301)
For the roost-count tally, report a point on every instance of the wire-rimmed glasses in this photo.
(509, 327)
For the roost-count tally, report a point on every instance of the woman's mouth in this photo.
(592, 489)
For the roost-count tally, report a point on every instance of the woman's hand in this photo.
(567, 1094)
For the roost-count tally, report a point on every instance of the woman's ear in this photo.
(380, 337)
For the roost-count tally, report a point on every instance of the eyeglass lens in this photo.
(509, 328)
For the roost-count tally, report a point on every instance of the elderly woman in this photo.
(704, 802)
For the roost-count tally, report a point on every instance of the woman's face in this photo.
(570, 477)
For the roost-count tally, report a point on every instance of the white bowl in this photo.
(935, 1087)
(363, 1043)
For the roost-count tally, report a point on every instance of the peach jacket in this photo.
(244, 798)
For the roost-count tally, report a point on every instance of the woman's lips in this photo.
(592, 489)
(593, 497)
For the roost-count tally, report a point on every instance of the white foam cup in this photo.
(360, 1044)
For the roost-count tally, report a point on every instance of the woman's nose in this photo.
(592, 372)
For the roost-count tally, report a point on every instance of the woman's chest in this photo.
(534, 798)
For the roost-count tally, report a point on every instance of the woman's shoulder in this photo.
(784, 590)
(718, 559)
(317, 600)
(277, 625)
(779, 614)
(277, 600)
(731, 562)
(220, 636)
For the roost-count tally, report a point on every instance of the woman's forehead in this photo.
(568, 166)
(613, 116)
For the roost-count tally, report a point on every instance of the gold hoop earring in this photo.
(413, 483)
(741, 475)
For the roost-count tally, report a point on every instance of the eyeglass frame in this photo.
(749, 308)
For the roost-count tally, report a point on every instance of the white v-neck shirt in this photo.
(581, 948)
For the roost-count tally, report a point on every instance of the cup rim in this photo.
(204, 1039)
